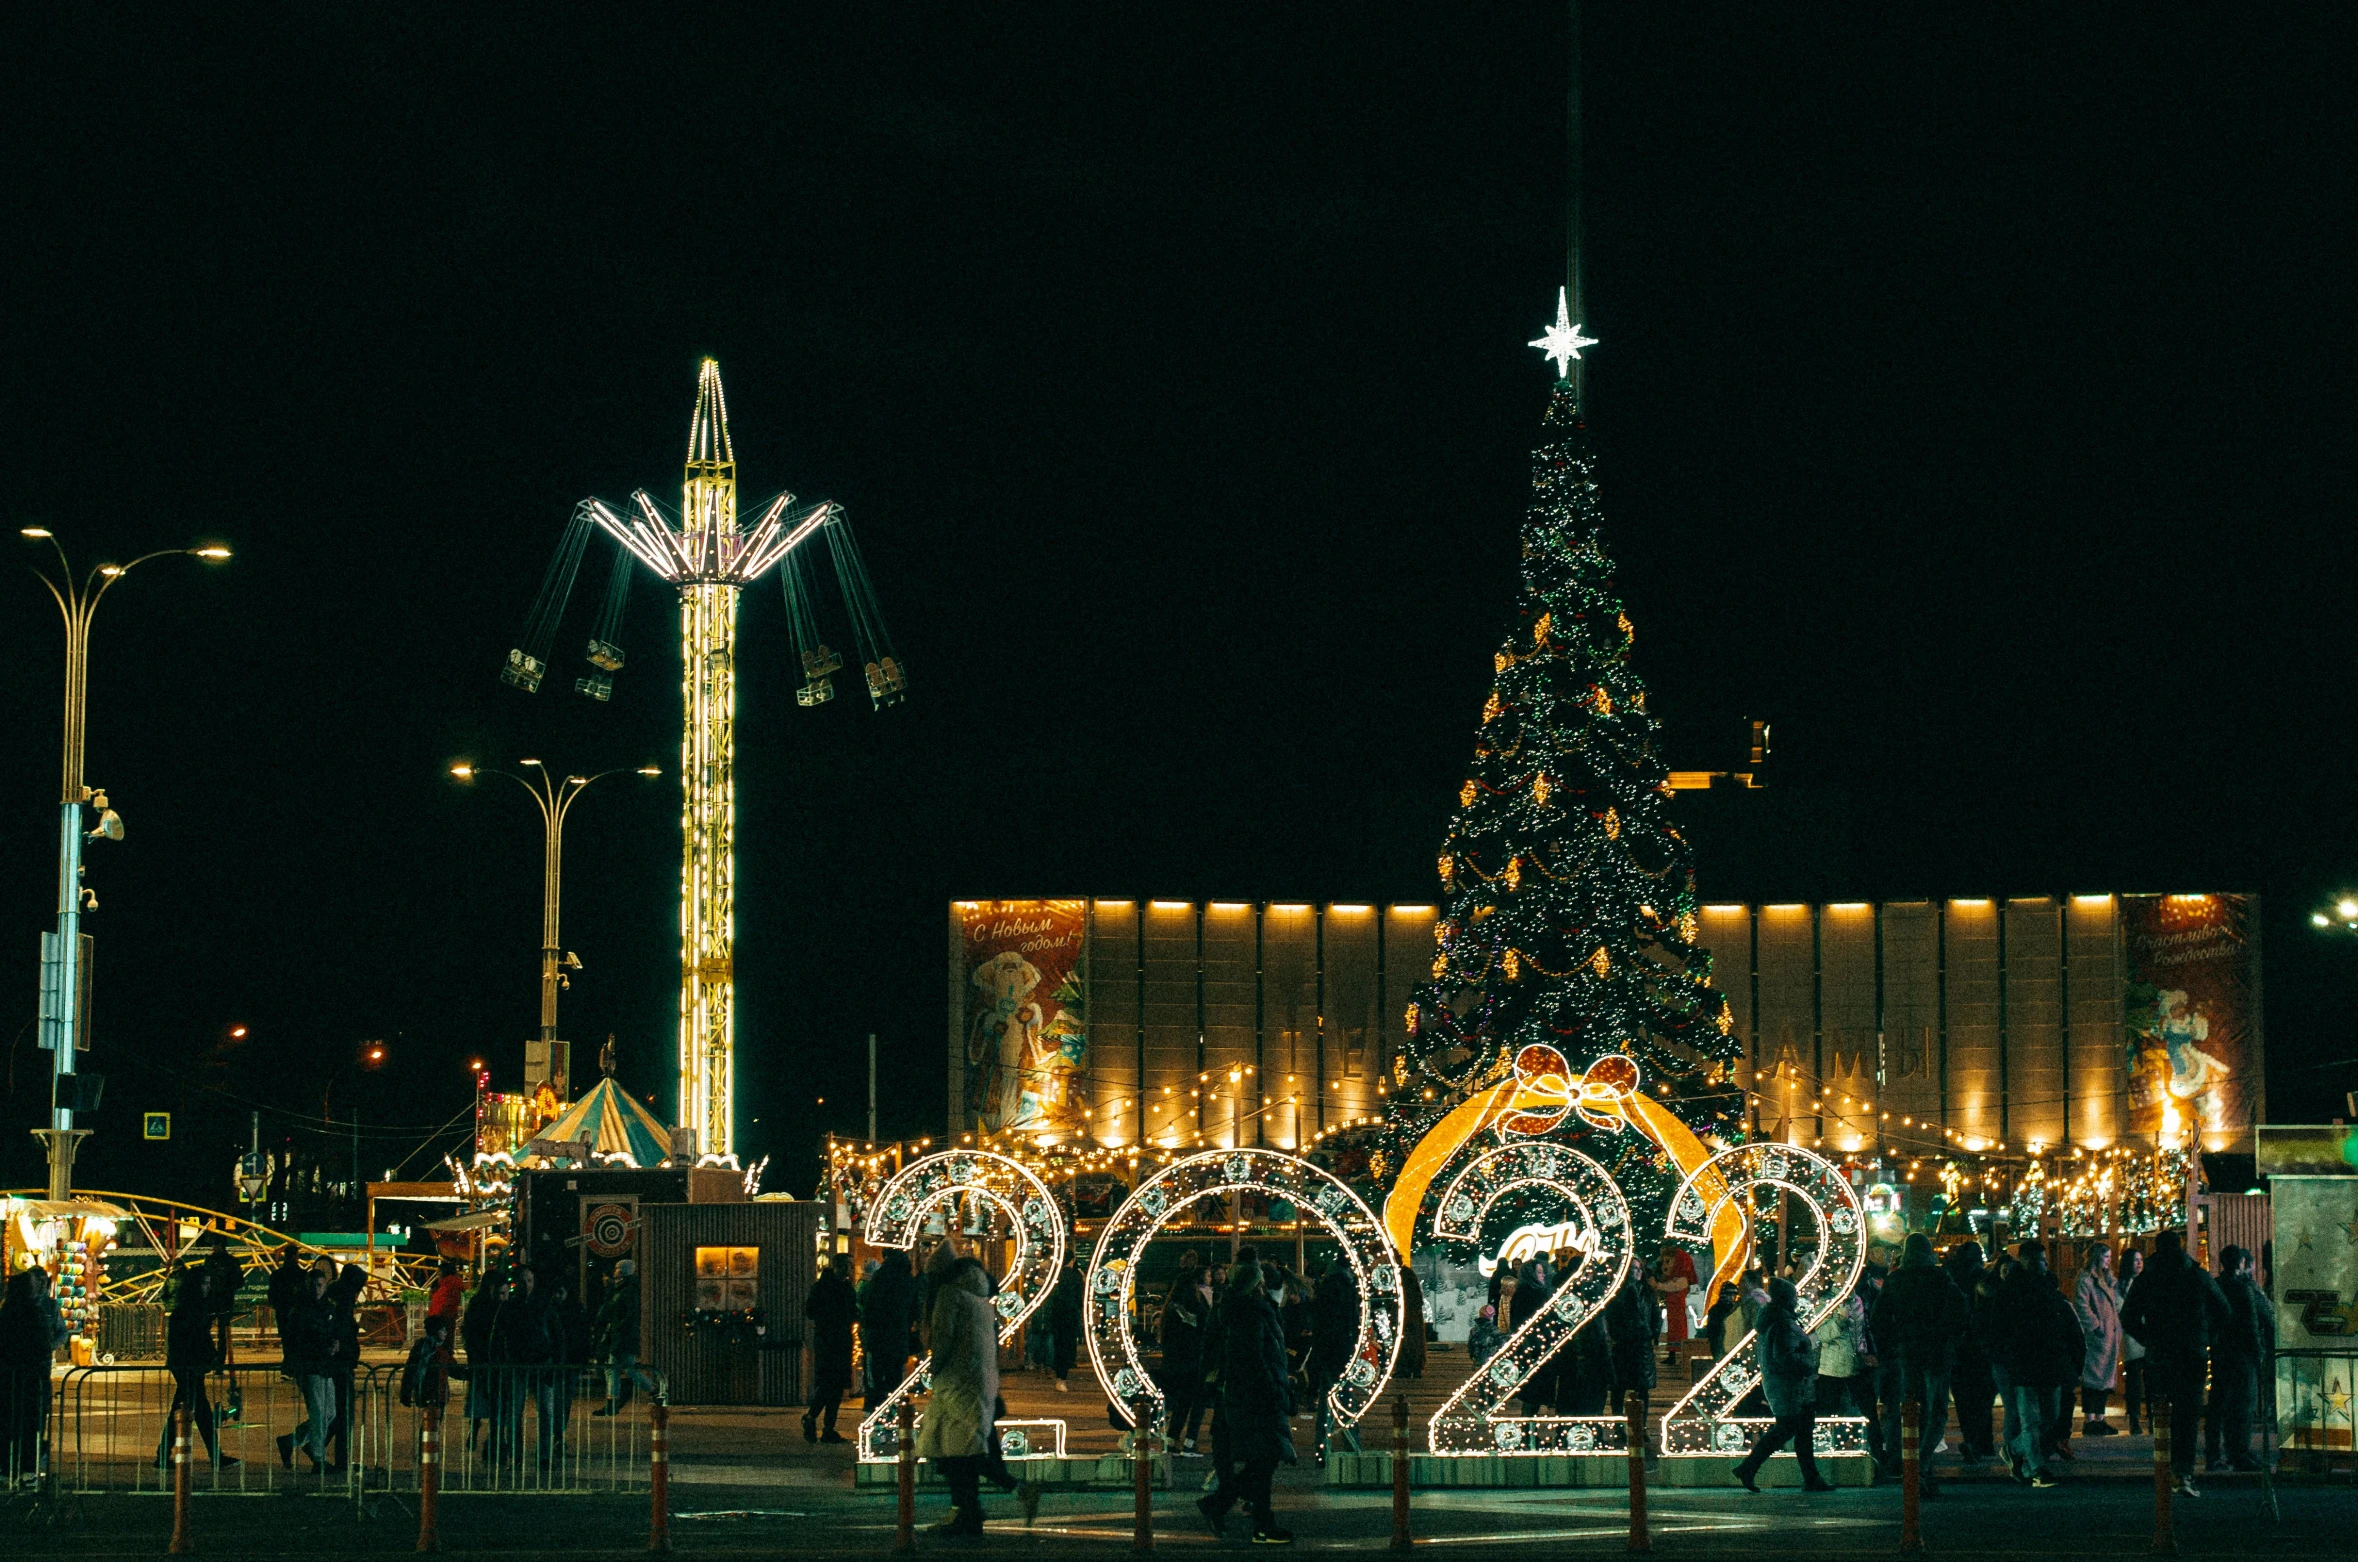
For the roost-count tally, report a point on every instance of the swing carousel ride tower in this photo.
(711, 560)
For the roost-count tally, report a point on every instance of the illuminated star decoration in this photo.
(1561, 342)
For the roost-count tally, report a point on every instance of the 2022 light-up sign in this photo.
(1595, 1224)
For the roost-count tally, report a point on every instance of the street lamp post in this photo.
(555, 799)
(62, 972)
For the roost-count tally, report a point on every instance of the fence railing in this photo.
(504, 1429)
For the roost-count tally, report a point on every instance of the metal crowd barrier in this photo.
(504, 1429)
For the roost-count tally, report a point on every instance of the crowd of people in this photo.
(2001, 1344)
(1245, 1344)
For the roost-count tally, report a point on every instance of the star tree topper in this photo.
(1561, 342)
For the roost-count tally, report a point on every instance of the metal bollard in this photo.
(430, 1480)
(180, 1539)
(905, 1535)
(1911, 1477)
(659, 1476)
(1400, 1536)
(1633, 1409)
(1142, 1488)
(2165, 1539)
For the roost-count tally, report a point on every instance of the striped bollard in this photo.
(430, 1480)
(1633, 1408)
(2165, 1539)
(1911, 1477)
(180, 1539)
(1400, 1536)
(659, 1476)
(905, 1532)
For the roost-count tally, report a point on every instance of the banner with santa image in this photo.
(1027, 1025)
(2193, 1016)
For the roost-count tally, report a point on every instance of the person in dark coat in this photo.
(1185, 1313)
(572, 1338)
(886, 1298)
(475, 1325)
(2242, 1366)
(1214, 1355)
(522, 1351)
(1334, 1335)
(308, 1340)
(1719, 1315)
(832, 1309)
(1787, 1360)
(1583, 1368)
(290, 1288)
(1535, 1288)
(1412, 1323)
(1971, 1388)
(1918, 1323)
(2173, 1309)
(343, 1301)
(1256, 1398)
(190, 1352)
(1631, 1324)
(31, 1329)
(2035, 1340)
(1064, 1321)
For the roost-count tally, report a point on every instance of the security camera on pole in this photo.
(65, 978)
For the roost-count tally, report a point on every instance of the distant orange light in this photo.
(237, 1033)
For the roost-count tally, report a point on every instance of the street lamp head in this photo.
(110, 571)
(577, 780)
(213, 551)
(463, 771)
(650, 770)
(372, 1054)
(534, 763)
(33, 531)
(2348, 910)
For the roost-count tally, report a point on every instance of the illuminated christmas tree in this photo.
(1568, 912)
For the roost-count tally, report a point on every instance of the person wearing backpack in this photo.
(425, 1375)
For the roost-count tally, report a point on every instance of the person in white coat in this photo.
(2097, 1299)
(963, 1334)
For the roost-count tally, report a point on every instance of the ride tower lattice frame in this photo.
(711, 560)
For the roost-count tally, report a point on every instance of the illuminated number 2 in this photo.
(1701, 1423)
(896, 1219)
(1471, 1423)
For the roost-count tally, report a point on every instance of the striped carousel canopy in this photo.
(610, 1122)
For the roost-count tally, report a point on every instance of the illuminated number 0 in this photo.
(1113, 1271)
(1471, 1422)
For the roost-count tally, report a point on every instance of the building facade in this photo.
(2038, 1022)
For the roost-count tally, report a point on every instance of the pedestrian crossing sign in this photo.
(159, 1125)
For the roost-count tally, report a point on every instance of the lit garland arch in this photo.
(1700, 1423)
(896, 1219)
(1470, 1422)
(1113, 1272)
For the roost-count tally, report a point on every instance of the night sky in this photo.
(1974, 397)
